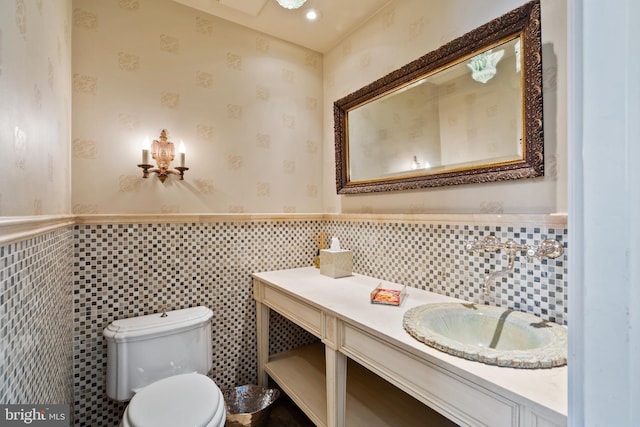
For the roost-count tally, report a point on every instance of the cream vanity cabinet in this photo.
(367, 371)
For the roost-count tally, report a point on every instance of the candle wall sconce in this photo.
(163, 152)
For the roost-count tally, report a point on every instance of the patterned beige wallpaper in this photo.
(251, 109)
(408, 29)
(247, 106)
(35, 107)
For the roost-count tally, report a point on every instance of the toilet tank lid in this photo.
(154, 324)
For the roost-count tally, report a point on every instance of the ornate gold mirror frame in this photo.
(522, 23)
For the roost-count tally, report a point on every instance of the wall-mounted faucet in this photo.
(546, 249)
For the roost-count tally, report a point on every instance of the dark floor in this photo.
(286, 414)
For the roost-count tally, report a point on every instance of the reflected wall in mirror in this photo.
(470, 111)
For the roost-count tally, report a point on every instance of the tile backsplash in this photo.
(431, 256)
(121, 270)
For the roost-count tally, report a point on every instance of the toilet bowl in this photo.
(191, 400)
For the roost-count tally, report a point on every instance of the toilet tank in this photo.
(144, 349)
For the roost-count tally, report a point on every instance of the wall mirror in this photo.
(468, 112)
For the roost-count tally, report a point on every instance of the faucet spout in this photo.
(488, 278)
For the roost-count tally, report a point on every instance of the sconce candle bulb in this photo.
(145, 151)
(182, 153)
(163, 152)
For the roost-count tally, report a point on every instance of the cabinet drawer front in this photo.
(305, 315)
(458, 399)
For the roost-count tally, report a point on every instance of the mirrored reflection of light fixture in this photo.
(291, 4)
(483, 66)
(163, 152)
(415, 164)
(516, 48)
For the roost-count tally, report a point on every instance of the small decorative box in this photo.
(389, 295)
(336, 263)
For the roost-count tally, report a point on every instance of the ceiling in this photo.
(337, 19)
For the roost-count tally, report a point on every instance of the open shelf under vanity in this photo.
(370, 400)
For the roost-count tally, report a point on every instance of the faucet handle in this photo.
(492, 243)
(547, 249)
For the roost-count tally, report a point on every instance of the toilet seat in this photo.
(181, 400)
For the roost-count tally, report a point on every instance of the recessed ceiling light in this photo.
(312, 14)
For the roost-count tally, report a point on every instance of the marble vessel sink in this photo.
(491, 335)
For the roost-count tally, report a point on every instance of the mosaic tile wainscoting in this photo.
(36, 322)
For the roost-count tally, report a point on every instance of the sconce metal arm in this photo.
(162, 173)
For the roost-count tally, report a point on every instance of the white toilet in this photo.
(159, 364)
